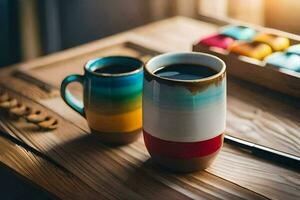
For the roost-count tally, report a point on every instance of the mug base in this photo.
(184, 165)
(117, 138)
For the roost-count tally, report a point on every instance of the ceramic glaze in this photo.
(112, 102)
(185, 72)
(184, 120)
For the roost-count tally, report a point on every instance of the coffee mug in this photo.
(184, 120)
(112, 99)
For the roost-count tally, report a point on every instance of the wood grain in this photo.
(254, 113)
(254, 174)
(263, 117)
(25, 87)
(43, 174)
(75, 149)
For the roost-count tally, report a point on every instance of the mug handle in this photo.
(74, 103)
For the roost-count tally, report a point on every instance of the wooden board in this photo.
(96, 170)
(75, 65)
(58, 70)
(42, 174)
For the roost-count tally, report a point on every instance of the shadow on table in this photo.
(112, 170)
(13, 186)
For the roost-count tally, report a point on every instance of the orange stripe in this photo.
(124, 122)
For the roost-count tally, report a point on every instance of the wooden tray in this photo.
(36, 74)
(256, 71)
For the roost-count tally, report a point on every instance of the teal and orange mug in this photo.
(112, 99)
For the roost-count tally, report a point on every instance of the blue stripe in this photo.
(118, 91)
(181, 97)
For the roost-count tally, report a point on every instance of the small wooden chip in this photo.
(10, 103)
(4, 97)
(35, 117)
(51, 123)
(20, 110)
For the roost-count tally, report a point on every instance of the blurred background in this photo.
(32, 28)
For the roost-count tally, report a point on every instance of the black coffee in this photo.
(185, 71)
(115, 69)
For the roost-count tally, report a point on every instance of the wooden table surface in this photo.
(75, 165)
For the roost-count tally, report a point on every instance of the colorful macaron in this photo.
(284, 60)
(217, 40)
(277, 43)
(239, 32)
(294, 49)
(255, 50)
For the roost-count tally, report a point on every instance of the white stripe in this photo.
(200, 124)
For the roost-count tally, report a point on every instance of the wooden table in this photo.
(75, 165)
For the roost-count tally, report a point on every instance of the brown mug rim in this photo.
(220, 73)
(135, 71)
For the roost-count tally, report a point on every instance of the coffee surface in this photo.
(115, 69)
(185, 71)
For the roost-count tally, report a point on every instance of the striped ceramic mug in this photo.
(184, 120)
(112, 100)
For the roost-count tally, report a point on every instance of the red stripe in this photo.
(182, 149)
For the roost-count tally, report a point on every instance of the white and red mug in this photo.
(184, 120)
